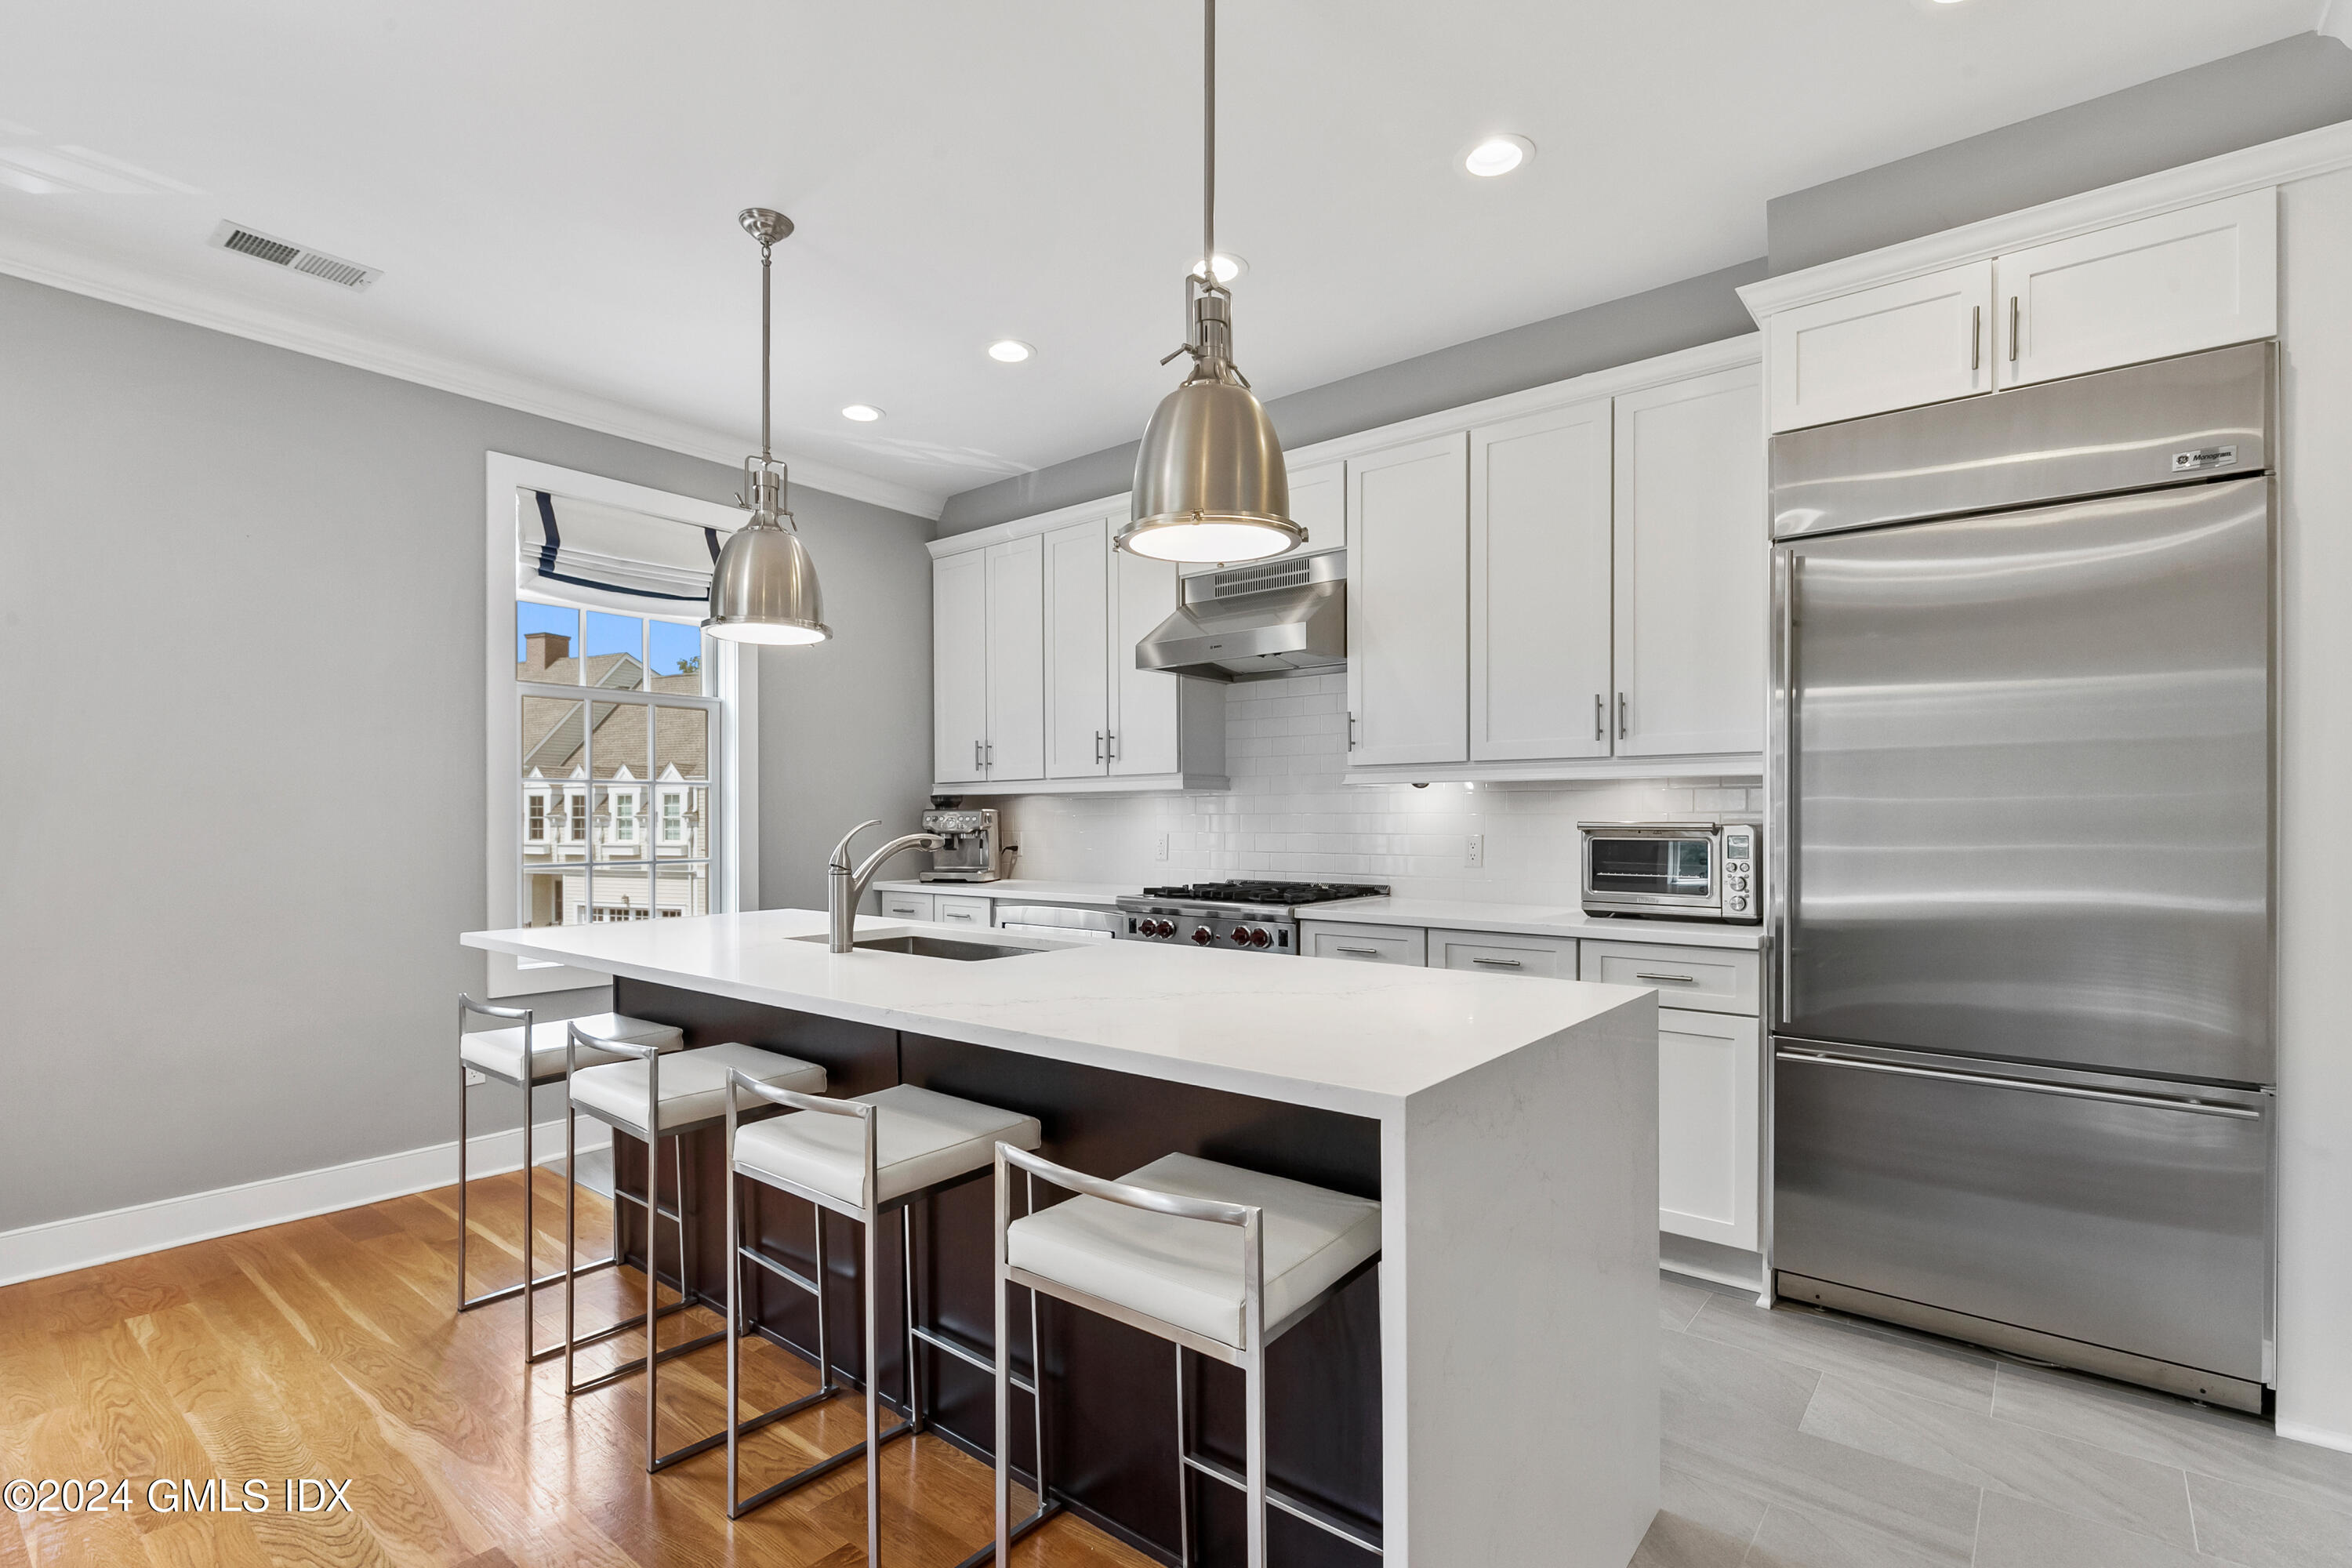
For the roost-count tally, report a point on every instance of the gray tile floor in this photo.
(1803, 1440)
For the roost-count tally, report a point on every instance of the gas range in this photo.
(1250, 916)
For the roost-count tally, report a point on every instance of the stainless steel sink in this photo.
(936, 947)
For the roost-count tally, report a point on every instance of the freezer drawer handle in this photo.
(2031, 1086)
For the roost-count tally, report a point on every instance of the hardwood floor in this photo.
(328, 1349)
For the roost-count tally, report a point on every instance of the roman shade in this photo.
(609, 558)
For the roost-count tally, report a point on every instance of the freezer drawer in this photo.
(2119, 1212)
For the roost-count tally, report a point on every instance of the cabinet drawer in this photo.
(1364, 944)
(1714, 979)
(909, 906)
(1485, 952)
(960, 911)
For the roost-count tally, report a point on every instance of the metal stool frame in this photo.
(650, 1319)
(1250, 1355)
(911, 1420)
(526, 1083)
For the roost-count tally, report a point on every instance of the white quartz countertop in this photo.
(1533, 920)
(1102, 895)
(1520, 919)
(1352, 1038)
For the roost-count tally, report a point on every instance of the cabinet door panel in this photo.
(1691, 555)
(1540, 585)
(1923, 340)
(1318, 503)
(1146, 719)
(1016, 659)
(1709, 1072)
(1078, 633)
(1409, 603)
(959, 666)
(2166, 285)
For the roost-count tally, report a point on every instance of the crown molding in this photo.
(76, 274)
(2297, 157)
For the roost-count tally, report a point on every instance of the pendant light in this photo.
(764, 589)
(1209, 483)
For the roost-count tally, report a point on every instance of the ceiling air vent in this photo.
(283, 253)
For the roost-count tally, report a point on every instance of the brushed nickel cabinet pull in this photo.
(1599, 717)
(1975, 337)
(2012, 328)
(1499, 963)
(1684, 979)
(1620, 716)
(1358, 951)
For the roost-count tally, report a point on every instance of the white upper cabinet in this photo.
(1077, 629)
(1690, 568)
(960, 667)
(1318, 503)
(1923, 340)
(1539, 584)
(2175, 283)
(1408, 603)
(1148, 706)
(1016, 744)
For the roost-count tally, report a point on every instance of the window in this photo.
(607, 702)
(621, 742)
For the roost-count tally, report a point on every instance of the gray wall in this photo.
(2280, 89)
(241, 623)
(1682, 315)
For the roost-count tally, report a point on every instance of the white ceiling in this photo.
(550, 188)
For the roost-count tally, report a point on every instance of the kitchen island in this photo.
(1487, 1394)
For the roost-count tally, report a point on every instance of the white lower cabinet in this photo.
(1364, 943)
(1715, 979)
(1490, 952)
(909, 906)
(960, 911)
(1710, 1073)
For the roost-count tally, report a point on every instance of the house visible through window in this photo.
(610, 706)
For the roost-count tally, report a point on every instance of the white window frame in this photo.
(735, 827)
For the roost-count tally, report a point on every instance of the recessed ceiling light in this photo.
(1008, 350)
(864, 412)
(1497, 155)
(1229, 267)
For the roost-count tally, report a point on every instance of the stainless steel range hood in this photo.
(1256, 621)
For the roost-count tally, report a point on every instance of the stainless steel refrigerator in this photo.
(2022, 909)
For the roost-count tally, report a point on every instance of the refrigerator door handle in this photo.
(2031, 1086)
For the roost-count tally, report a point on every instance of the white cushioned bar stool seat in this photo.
(498, 1052)
(1217, 1260)
(921, 1138)
(1190, 1274)
(920, 1141)
(693, 1084)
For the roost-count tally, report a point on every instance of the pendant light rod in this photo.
(1209, 138)
(767, 377)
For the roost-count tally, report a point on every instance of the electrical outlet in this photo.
(1474, 850)
(473, 1079)
(1160, 848)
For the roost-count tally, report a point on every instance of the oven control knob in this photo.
(1203, 935)
(1158, 928)
(1241, 936)
(1738, 902)
(1259, 939)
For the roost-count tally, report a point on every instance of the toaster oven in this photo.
(1675, 870)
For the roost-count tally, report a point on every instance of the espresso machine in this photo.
(972, 852)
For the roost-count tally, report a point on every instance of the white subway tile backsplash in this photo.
(1290, 812)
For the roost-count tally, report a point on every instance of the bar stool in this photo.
(1135, 1251)
(860, 1158)
(498, 1054)
(651, 1096)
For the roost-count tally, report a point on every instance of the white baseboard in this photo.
(2319, 1435)
(62, 1245)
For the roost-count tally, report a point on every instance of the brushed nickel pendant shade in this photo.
(764, 588)
(1209, 483)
